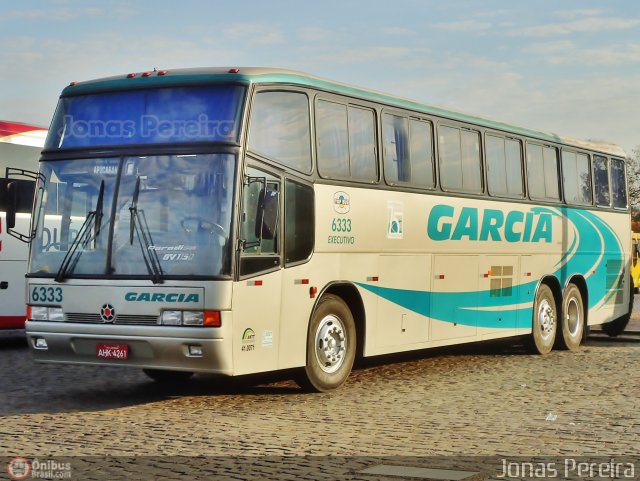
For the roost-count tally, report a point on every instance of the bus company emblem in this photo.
(161, 297)
(107, 313)
(341, 202)
(445, 223)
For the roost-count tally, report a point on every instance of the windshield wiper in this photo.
(94, 218)
(138, 225)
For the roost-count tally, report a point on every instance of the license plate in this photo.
(112, 351)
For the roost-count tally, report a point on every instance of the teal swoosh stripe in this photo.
(457, 307)
(595, 237)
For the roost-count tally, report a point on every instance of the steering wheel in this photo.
(194, 223)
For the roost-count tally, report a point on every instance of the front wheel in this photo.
(545, 323)
(573, 321)
(331, 345)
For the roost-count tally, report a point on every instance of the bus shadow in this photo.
(495, 347)
(13, 339)
(51, 389)
(625, 338)
(54, 389)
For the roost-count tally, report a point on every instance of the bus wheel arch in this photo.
(617, 326)
(545, 317)
(573, 320)
(350, 295)
(333, 338)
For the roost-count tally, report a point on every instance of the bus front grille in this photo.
(133, 319)
(119, 319)
(86, 318)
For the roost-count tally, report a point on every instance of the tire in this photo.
(544, 322)
(331, 346)
(168, 377)
(617, 326)
(572, 324)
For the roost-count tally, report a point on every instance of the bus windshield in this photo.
(143, 216)
(152, 116)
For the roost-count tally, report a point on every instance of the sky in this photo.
(562, 66)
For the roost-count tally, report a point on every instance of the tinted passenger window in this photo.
(298, 222)
(504, 166)
(395, 133)
(408, 147)
(421, 153)
(542, 172)
(460, 159)
(346, 142)
(333, 140)
(362, 144)
(618, 183)
(601, 180)
(280, 128)
(576, 178)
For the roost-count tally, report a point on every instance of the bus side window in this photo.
(395, 133)
(618, 184)
(298, 222)
(601, 179)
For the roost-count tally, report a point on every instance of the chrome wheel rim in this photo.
(546, 320)
(330, 343)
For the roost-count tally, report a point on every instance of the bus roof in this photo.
(22, 134)
(258, 75)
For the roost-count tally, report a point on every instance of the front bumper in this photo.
(151, 347)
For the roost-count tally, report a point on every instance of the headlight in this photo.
(42, 313)
(190, 318)
(171, 318)
(55, 314)
(39, 313)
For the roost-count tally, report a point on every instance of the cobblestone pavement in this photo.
(488, 399)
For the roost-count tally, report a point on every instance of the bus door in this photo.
(299, 281)
(256, 296)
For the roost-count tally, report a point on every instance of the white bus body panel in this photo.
(21, 152)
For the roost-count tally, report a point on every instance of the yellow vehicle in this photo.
(635, 265)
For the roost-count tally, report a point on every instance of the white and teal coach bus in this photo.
(235, 221)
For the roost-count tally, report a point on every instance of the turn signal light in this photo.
(212, 319)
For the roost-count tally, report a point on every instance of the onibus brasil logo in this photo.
(20, 468)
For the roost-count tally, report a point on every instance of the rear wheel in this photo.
(168, 377)
(545, 323)
(331, 345)
(573, 321)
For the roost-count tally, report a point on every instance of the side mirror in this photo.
(268, 213)
(18, 189)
